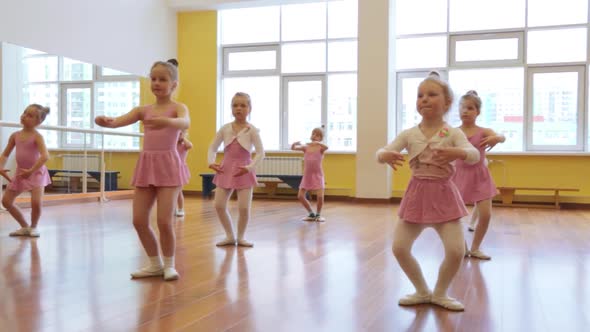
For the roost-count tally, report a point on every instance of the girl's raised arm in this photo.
(124, 120)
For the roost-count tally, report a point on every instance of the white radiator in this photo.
(75, 162)
(280, 166)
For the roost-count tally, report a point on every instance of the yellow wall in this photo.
(197, 57)
(197, 54)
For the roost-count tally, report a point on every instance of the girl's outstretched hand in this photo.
(4, 174)
(104, 121)
(392, 158)
(241, 171)
(489, 142)
(157, 122)
(446, 155)
(216, 168)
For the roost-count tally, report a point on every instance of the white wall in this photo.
(127, 35)
(374, 108)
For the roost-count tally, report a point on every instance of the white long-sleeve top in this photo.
(247, 138)
(414, 141)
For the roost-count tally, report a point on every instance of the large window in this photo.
(76, 92)
(299, 64)
(527, 59)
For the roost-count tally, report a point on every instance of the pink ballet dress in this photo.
(182, 153)
(234, 156)
(27, 154)
(474, 182)
(313, 174)
(159, 164)
(431, 196)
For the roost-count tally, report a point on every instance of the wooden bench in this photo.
(271, 182)
(75, 176)
(507, 195)
(270, 186)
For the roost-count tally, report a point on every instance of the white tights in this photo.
(244, 203)
(451, 235)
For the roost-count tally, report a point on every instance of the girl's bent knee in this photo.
(455, 253)
(401, 251)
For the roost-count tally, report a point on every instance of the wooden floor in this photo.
(335, 276)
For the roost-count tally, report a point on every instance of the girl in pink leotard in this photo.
(31, 173)
(475, 182)
(159, 174)
(313, 174)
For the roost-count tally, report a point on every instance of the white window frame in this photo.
(454, 38)
(579, 146)
(257, 72)
(223, 55)
(284, 118)
(63, 112)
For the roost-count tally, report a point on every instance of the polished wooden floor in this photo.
(335, 276)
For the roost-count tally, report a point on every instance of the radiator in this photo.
(280, 166)
(75, 162)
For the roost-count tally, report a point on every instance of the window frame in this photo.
(581, 111)
(63, 112)
(228, 50)
(454, 38)
(63, 85)
(583, 122)
(284, 117)
(223, 55)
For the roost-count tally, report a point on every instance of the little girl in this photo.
(431, 199)
(182, 147)
(236, 171)
(159, 175)
(475, 181)
(313, 176)
(31, 173)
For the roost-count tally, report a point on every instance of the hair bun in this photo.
(173, 61)
(472, 92)
(434, 73)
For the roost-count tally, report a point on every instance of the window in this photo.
(502, 93)
(300, 78)
(560, 45)
(76, 92)
(487, 50)
(422, 52)
(469, 15)
(527, 60)
(545, 13)
(555, 97)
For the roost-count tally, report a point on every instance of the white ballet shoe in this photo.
(244, 243)
(415, 299)
(147, 272)
(226, 242)
(170, 274)
(448, 303)
(479, 255)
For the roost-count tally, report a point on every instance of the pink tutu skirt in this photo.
(235, 156)
(160, 169)
(38, 179)
(430, 201)
(474, 183)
